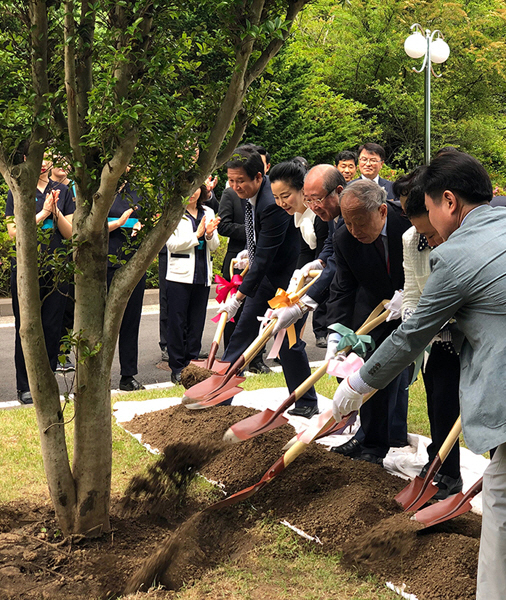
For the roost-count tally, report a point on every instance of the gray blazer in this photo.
(468, 282)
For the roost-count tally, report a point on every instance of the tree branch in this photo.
(274, 46)
(241, 122)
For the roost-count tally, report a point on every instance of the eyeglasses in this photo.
(308, 200)
(371, 161)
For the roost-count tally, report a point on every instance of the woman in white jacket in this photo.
(188, 281)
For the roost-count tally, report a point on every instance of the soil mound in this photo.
(191, 375)
(159, 531)
(348, 505)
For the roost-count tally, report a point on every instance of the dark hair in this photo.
(404, 185)
(333, 178)
(446, 149)
(248, 158)
(346, 155)
(261, 150)
(459, 173)
(290, 172)
(302, 162)
(373, 149)
(204, 195)
(415, 202)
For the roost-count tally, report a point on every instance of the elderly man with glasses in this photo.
(371, 157)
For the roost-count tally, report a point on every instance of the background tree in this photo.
(108, 83)
(354, 53)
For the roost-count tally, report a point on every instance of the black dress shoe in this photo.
(304, 411)
(165, 355)
(259, 368)
(130, 384)
(447, 486)
(25, 398)
(175, 378)
(372, 458)
(351, 448)
(321, 342)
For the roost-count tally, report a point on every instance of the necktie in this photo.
(378, 242)
(250, 232)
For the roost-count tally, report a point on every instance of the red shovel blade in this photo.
(276, 468)
(451, 507)
(253, 426)
(417, 493)
(228, 391)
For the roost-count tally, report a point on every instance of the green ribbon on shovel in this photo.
(359, 343)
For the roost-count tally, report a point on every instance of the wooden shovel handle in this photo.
(452, 437)
(259, 342)
(298, 448)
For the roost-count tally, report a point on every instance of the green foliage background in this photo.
(345, 79)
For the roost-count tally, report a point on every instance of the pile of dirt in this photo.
(158, 529)
(191, 375)
(348, 505)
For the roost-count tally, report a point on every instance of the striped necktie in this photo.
(250, 232)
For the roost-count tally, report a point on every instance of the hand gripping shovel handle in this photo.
(257, 344)
(377, 317)
(264, 421)
(420, 490)
(288, 457)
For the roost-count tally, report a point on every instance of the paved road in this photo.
(149, 352)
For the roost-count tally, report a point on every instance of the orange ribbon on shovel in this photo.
(283, 300)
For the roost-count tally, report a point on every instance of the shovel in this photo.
(288, 457)
(211, 362)
(207, 392)
(451, 507)
(421, 489)
(270, 419)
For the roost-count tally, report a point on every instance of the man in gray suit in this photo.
(468, 282)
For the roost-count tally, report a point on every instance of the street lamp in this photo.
(436, 50)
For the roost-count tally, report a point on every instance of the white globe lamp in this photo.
(415, 45)
(439, 51)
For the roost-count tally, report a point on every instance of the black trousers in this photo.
(384, 417)
(293, 360)
(320, 321)
(52, 309)
(128, 343)
(186, 317)
(441, 379)
(162, 297)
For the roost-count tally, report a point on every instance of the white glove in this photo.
(230, 306)
(332, 343)
(241, 260)
(286, 316)
(314, 265)
(346, 399)
(395, 306)
(294, 281)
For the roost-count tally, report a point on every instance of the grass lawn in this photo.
(278, 568)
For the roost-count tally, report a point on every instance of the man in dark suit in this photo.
(273, 248)
(368, 252)
(371, 157)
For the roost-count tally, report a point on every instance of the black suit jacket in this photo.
(277, 244)
(362, 281)
(231, 211)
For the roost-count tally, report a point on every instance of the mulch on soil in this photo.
(347, 504)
